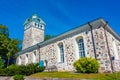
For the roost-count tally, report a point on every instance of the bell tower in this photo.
(33, 31)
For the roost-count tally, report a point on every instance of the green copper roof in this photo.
(34, 18)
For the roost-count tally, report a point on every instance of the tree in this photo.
(4, 30)
(12, 48)
(87, 65)
(47, 37)
(8, 46)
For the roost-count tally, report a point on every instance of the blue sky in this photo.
(59, 15)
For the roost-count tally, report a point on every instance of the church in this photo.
(94, 39)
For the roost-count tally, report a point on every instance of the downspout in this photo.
(107, 44)
(92, 40)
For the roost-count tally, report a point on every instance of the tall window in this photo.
(115, 50)
(61, 51)
(26, 58)
(34, 56)
(19, 61)
(81, 47)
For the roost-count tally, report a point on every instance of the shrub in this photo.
(11, 70)
(18, 77)
(1, 63)
(3, 72)
(87, 65)
(21, 69)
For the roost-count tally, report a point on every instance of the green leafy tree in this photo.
(4, 30)
(12, 48)
(47, 37)
(8, 47)
(87, 65)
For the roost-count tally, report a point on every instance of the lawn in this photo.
(97, 76)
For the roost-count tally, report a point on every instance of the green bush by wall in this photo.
(87, 65)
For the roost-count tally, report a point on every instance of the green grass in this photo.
(97, 76)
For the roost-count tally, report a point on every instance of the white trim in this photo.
(115, 50)
(34, 56)
(59, 54)
(76, 49)
(19, 60)
(26, 59)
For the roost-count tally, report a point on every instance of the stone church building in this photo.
(94, 39)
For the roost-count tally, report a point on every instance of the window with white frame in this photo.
(115, 50)
(81, 49)
(34, 56)
(61, 52)
(19, 60)
(26, 58)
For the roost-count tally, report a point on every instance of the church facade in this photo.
(94, 39)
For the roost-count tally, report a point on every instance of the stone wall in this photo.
(101, 49)
(32, 36)
(115, 63)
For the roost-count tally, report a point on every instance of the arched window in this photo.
(61, 52)
(26, 58)
(81, 49)
(115, 50)
(34, 56)
(19, 60)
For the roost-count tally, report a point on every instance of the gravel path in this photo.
(4, 78)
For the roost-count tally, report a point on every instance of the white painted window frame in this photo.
(115, 50)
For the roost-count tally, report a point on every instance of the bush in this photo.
(3, 72)
(11, 70)
(1, 63)
(18, 77)
(22, 69)
(87, 65)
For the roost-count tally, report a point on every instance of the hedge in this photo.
(22, 70)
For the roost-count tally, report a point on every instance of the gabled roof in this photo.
(95, 23)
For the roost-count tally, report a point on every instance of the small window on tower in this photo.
(28, 19)
(38, 20)
(42, 26)
(35, 24)
(38, 25)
